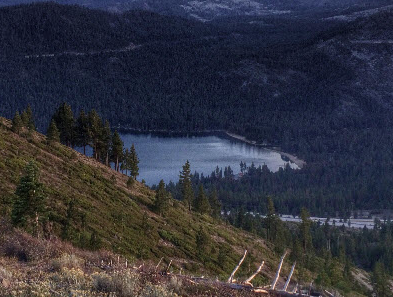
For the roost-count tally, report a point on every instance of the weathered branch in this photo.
(158, 265)
(230, 279)
(289, 277)
(248, 281)
(278, 272)
(169, 266)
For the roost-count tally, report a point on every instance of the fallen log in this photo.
(230, 279)
(248, 281)
(274, 283)
(289, 277)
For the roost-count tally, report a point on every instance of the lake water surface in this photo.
(163, 157)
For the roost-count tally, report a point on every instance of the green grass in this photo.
(121, 217)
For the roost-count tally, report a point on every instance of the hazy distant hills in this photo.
(50, 27)
(150, 71)
(210, 9)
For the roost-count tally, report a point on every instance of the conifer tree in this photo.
(30, 119)
(305, 229)
(215, 204)
(161, 202)
(106, 142)
(125, 164)
(134, 162)
(117, 149)
(17, 123)
(272, 222)
(66, 229)
(202, 242)
(53, 134)
(186, 186)
(380, 280)
(82, 131)
(201, 202)
(64, 119)
(29, 204)
(25, 118)
(95, 131)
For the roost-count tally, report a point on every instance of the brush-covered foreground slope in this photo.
(121, 216)
(56, 268)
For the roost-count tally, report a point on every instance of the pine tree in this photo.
(161, 202)
(17, 123)
(134, 161)
(215, 204)
(271, 220)
(305, 229)
(53, 134)
(29, 203)
(64, 119)
(105, 143)
(82, 131)
(95, 131)
(201, 203)
(67, 224)
(186, 186)
(30, 119)
(117, 149)
(125, 164)
(25, 118)
(380, 280)
(202, 242)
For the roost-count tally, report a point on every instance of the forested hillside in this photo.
(323, 95)
(52, 192)
(93, 207)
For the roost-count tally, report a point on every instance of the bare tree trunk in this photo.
(289, 277)
(278, 271)
(117, 164)
(230, 279)
(158, 265)
(248, 281)
(36, 225)
(169, 266)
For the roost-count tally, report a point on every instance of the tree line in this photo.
(88, 129)
(200, 202)
(331, 252)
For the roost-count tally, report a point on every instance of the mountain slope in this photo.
(121, 217)
(212, 9)
(51, 28)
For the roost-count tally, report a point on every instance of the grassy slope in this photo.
(116, 212)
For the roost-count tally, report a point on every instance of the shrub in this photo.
(130, 182)
(5, 274)
(66, 261)
(123, 283)
(151, 290)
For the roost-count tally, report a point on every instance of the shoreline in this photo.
(299, 162)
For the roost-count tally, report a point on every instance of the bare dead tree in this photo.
(158, 265)
(278, 272)
(230, 279)
(169, 266)
(248, 281)
(289, 277)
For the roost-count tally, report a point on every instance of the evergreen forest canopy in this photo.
(306, 93)
(330, 253)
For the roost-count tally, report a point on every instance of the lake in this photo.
(163, 157)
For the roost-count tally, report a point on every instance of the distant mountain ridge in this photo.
(211, 9)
